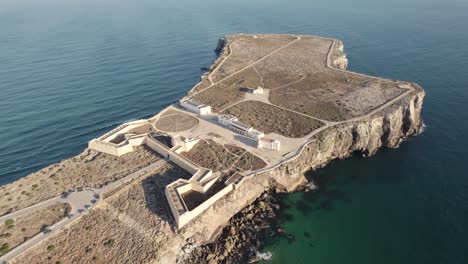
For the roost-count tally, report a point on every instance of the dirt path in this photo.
(246, 67)
(221, 63)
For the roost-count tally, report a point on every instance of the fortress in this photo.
(235, 96)
(125, 138)
(270, 108)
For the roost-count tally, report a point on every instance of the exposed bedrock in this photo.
(338, 57)
(384, 129)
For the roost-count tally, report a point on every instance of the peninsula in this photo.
(270, 108)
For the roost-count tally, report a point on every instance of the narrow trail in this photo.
(328, 65)
(246, 67)
(222, 62)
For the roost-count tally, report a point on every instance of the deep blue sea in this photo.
(72, 70)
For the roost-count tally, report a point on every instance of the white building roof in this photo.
(241, 125)
(194, 103)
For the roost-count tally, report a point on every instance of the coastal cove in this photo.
(87, 71)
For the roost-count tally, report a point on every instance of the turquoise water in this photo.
(71, 70)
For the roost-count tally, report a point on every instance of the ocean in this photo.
(72, 70)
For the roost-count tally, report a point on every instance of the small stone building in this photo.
(258, 90)
(235, 125)
(268, 143)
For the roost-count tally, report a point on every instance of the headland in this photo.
(270, 108)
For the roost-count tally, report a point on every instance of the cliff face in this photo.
(384, 129)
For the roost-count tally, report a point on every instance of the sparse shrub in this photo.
(51, 247)
(88, 249)
(109, 243)
(5, 235)
(4, 248)
(23, 192)
(9, 222)
(34, 186)
(23, 229)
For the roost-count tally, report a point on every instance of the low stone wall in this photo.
(183, 163)
(114, 149)
(157, 146)
(189, 216)
(110, 148)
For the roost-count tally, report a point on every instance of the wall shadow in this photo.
(155, 198)
(247, 141)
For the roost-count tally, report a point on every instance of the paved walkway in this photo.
(80, 201)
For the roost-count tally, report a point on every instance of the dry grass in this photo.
(15, 231)
(131, 226)
(271, 119)
(335, 96)
(223, 158)
(246, 50)
(298, 79)
(303, 57)
(247, 161)
(204, 83)
(229, 90)
(89, 169)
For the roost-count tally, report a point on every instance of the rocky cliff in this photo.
(384, 129)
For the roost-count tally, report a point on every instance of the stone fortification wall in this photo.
(384, 129)
(183, 163)
(157, 146)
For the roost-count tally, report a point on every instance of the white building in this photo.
(245, 130)
(259, 90)
(235, 125)
(226, 119)
(184, 144)
(195, 107)
(268, 143)
(256, 134)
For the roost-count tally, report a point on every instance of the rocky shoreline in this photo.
(243, 238)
